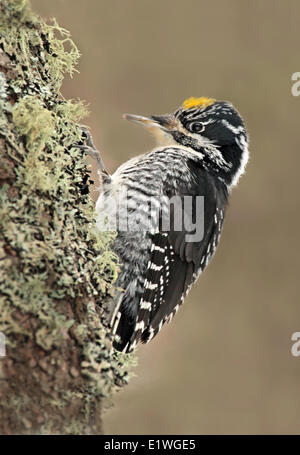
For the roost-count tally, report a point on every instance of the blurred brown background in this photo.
(224, 364)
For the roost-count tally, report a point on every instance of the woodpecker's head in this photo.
(212, 129)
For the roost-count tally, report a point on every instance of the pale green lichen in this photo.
(65, 49)
(33, 121)
(46, 215)
(3, 86)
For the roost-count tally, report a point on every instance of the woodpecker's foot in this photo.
(90, 148)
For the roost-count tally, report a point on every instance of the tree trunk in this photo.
(56, 273)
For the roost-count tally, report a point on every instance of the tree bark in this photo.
(56, 272)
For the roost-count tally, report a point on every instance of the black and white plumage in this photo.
(203, 150)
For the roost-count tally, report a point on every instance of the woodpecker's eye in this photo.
(196, 127)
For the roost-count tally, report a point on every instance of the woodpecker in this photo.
(202, 150)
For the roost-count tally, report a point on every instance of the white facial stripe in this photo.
(234, 129)
(243, 144)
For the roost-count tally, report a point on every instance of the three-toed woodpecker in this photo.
(202, 151)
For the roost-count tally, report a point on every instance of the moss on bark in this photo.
(56, 272)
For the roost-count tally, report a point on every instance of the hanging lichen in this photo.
(56, 271)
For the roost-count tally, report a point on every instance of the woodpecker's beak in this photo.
(165, 122)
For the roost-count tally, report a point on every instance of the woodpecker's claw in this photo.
(90, 148)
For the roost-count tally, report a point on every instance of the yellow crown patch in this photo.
(197, 102)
